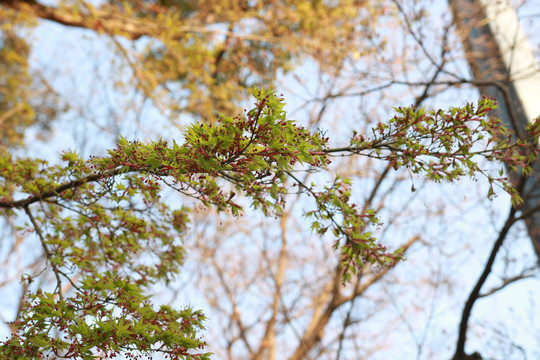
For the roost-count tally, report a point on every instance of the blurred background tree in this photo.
(87, 72)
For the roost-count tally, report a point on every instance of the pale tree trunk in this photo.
(504, 67)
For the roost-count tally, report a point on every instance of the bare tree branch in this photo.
(525, 274)
(474, 295)
(315, 330)
(46, 250)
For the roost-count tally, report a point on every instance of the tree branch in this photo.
(267, 347)
(475, 293)
(508, 281)
(315, 331)
(46, 250)
(113, 22)
(23, 203)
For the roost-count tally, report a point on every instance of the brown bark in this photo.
(110, 20)
(315, 331)
(100, 20)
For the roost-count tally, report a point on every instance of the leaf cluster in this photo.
(108, 316)
(446, 145)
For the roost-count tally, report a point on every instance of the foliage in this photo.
(213, 51)
(108, 314)
(25, 100)
(104, 218)
(14, 79)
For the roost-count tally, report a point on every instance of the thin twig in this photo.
(47, 252)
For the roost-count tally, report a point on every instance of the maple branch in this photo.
(23, 203)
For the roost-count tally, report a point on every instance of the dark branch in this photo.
(23, 203)
(475, 293)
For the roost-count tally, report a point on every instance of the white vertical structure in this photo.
(520, 64)
(504, 67)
